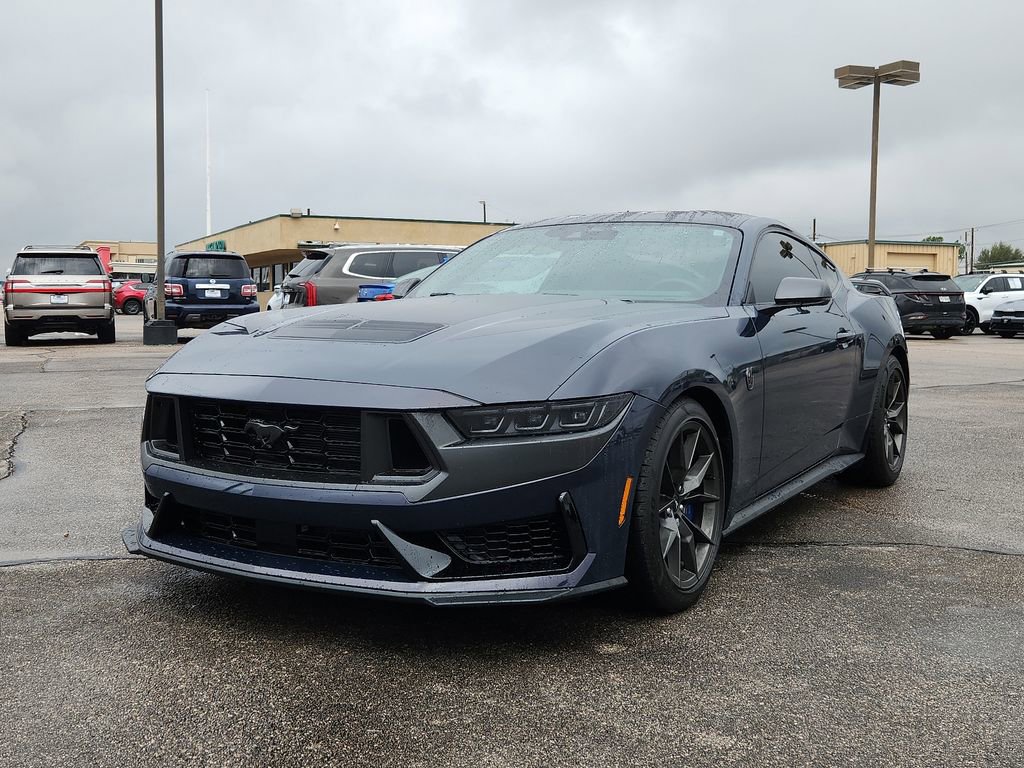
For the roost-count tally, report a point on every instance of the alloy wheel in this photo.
(970, 324)
(895, 417)
(689, 496)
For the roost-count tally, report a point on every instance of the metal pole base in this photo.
(159, 332)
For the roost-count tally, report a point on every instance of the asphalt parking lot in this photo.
(849, 627)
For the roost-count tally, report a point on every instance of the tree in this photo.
(932, 239)
(1000, 253)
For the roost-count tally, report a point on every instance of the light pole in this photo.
(484, 204)
(852, 77)
(158, 330)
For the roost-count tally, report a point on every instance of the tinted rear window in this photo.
(935, 283)
(309, 266)
(209, 266)
(56, 264)
(411, 261)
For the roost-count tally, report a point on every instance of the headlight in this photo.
(549, 418)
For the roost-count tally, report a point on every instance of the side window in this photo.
(409, 261)
(995, 284)
(1015, 283)
(776, 256)
(374, 264)
(827, 271)
(176, 268)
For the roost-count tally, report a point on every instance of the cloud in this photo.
(404, 108)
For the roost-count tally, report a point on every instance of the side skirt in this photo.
(790, 489)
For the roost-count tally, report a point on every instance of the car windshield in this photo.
(56, 264)
(216, 266)
(969, 282)
(633, 261)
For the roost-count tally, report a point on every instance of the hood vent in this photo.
(350, 329)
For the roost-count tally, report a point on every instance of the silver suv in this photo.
(57, 288)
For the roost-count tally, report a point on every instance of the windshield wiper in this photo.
(443, 293)
(52, 272)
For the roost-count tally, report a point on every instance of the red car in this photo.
(128, 297)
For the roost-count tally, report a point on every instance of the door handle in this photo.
(845, 338)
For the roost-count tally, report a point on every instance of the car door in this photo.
(811, 357)
(995, 291)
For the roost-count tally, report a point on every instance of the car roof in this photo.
(744, 221)
(179, 254)
(78, 250)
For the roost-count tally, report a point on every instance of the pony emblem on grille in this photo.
(265, 435)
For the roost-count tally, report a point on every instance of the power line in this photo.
(958, 229)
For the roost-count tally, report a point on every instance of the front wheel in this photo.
(970, 323)
(943, 333)
(986, 328)
(1007, 334)
(678, 511)
(886, 439)
(131, 307)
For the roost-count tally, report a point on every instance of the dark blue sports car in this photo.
(568, 407)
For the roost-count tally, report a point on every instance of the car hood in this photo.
(490, 349)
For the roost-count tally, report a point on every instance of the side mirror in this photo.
(802, 292)
(987, 289)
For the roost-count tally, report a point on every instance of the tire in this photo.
(676, 530)
(14, 336)
(131, 307)
(1007, 334)
(885, 444)
(107, 333)
(986, 328)
(943, 333)
(970, 323)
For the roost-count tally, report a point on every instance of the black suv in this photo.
(205, 288)
(928, 302)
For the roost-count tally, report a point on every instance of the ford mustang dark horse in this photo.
(567, 407)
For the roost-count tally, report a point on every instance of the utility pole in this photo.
(972, 250)
(209, 209)
(814, 230)
(484, 204)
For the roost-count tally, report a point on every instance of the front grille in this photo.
(326, 543)
(536, 544)
(1009, 313)
(282, 440)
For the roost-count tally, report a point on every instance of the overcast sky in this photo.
(421, 109)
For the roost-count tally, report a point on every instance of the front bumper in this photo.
(1006, 324)
(410, 529)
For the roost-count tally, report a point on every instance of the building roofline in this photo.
(348, 218)
(889, 242)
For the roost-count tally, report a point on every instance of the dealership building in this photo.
(851, 256)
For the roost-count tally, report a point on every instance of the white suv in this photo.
(983, 292)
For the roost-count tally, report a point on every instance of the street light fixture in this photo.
(484, 204)
(852, 77)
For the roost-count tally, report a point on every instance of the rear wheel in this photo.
(971, 322)
(1007, 334)
(131, 306)
(943, 333)
(886, 440)
(13, 335)
(678, 510)
(107, 333)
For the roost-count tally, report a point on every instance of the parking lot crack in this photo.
(810, 544)
(7, 456)
(972, 385)
(67, 559)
